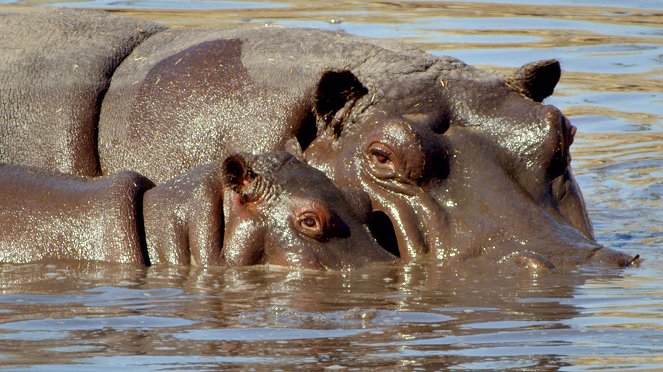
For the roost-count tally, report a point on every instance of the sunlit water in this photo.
(77, 316)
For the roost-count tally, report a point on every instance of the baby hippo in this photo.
(266, 209)
(262, 209)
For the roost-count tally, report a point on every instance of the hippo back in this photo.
(183, 97)
(49, 215)
(55, 66)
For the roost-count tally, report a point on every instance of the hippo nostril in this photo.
(609, 256)
(382, 230)
(628, 261)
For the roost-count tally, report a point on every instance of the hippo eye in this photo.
(380, 157)
(380, 154)
(309, 223)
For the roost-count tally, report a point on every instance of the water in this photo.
(84, 316)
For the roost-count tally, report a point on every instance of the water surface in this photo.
(85, 316)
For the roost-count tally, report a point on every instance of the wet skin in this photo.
(510, 193)
(486, 173)
(457, 162)
(46, 214)
(247, 210)
(271, 209)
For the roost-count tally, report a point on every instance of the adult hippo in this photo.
(457, 162)
(247, 210)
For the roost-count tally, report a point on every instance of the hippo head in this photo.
(470, 164)
(281, 211)
(387, 156)
(511, 192)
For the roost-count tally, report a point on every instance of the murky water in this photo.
(83, 316)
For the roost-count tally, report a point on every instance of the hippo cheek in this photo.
(486, 223)
(418, 224)
(571, 204)
(244, 234)
(243, 243)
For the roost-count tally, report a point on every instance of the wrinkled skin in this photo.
(398, 162)
(246, 211)
(485, 170)
(457, 162)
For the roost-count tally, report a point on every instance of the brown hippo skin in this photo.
(267, 209)
(55, 66)
(251, 210)
(457, 162)
(46, 214)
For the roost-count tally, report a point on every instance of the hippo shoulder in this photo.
(49, 215)
(55, 68)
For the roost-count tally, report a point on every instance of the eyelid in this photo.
(306, 215)
(374, 151)
(380, 149)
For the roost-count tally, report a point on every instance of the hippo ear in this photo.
(536, 80)
(238, 176)
(336, 92)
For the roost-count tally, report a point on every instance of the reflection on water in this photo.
(83, 315)
(380, 317)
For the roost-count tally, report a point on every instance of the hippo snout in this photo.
(608, 257)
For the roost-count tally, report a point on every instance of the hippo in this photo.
(457, 162)
(46, 214)
(272, 208)
(245, 210)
